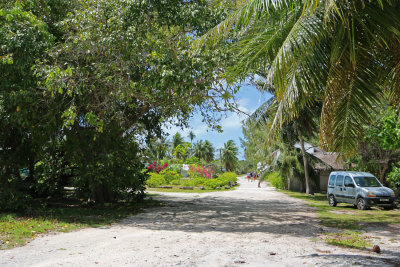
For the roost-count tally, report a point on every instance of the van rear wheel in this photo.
(361, 205)
(332, 201)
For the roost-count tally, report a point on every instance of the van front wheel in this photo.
(332, 201)
(361, 204)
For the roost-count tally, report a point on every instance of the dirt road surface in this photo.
(248, 226)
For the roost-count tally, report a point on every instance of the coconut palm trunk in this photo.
(305, 162)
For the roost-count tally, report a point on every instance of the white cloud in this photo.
(232, 122)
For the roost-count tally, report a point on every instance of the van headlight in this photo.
(370, 194)
(392, 194)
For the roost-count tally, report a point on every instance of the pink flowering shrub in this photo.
(155, 167)
(200, 171)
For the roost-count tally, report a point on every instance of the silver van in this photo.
(361, 189)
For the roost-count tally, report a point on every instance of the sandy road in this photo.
(249, 226)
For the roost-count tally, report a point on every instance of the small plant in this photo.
(230, 176)
(200, 171)
(155, 180)
(170, 175)
(275, 179)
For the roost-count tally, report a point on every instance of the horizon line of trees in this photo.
(177, 149)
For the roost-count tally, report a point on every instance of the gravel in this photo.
(248, 226)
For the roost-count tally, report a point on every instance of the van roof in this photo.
(353, 173)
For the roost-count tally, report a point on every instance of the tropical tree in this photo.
(83, 82)
(177, 140)
(343, 54)
(204, 150)
(157, 148)
(230, 155)
(191, 136)
(209, 151)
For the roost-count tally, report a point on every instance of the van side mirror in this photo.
(350, 185)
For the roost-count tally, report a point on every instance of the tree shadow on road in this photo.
(283, 217)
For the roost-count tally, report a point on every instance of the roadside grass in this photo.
(347, 218)
(18, 228)
(350, 239)
(176, 189)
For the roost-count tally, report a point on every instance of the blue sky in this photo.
(248, 99)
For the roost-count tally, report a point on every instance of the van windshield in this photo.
(367, 182)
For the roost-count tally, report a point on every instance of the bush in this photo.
(199, 181)
(200, 171)
(394, 176)
(155, 180)
(170, 175)
(275, 179)
(231, 176)
(211, 184)
(175, 182)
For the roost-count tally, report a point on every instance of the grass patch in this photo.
(44, 216)
(345, 216)
(176, 189)
(350, 239)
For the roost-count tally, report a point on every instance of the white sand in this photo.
(249, 226)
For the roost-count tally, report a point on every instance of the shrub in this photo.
(200, 171)
(199, 181)
(170, 175)
(155, 180)
(211, 184)
(192, 160)
(175, 182)
(231, 176)
(275, 179)
(156, 167)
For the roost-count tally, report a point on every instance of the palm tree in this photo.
(229, 155)
(344, 54)
(204, 150)
(191, 136)
(177, 140)
(209, 151)
(157, 148)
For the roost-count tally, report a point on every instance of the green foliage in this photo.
(181, 150)
(275, 179)
(192, 160)
(204, 150)
(170, 175)
(81, 80)
(291, 40)
(379, 150)
(230, 176)
(212, 184)
(221, 181)
(197, 181)
(175, 182)
(394, 176)
(229, 155)
(155, 180)
(27, 118)
(389, 135)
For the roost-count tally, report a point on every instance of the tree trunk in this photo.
(306, 173)
(385, 166)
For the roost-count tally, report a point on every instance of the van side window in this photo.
(348, 181)
(339, 180)
(332, 180)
